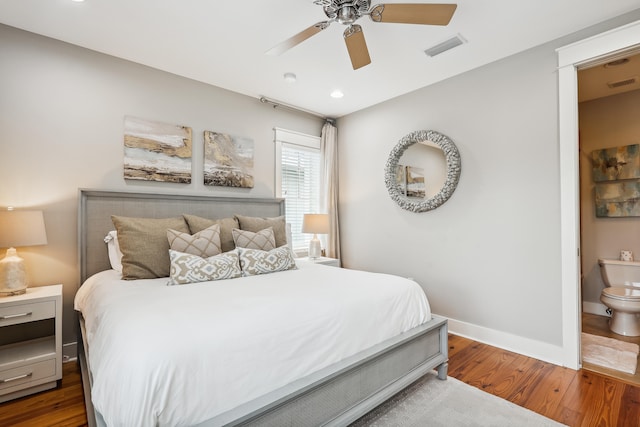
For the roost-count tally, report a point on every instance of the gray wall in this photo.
(490, 256)
(61, 128)
(604, 123)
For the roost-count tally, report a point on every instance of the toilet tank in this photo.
(619, 273)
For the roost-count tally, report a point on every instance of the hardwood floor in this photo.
(574, 398)
(63, 406)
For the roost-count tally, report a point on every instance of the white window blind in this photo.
(298, 181)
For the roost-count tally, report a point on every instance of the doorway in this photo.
(570, 59)
(608, 107)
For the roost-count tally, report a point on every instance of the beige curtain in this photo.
(329, 186)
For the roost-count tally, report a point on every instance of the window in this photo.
(298, 180)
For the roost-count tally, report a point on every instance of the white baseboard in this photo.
(595, 308)
(525, 346)
(69, 352)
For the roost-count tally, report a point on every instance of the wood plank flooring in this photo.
(62, 406)
(574, 398)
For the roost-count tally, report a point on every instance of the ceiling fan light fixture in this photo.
(446, 45)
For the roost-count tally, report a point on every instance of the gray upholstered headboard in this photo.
(95, 208)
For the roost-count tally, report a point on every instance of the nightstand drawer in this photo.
(21, 313)
(28, 373)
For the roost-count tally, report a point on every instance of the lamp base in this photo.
(13, 276)
(315, 249)
(5, 293)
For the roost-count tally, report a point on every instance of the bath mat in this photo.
(610, 353)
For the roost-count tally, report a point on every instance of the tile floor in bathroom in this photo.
(598, 325)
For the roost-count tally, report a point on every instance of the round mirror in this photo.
(405, 175)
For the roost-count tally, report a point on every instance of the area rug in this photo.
(610, 353)
(450, 403)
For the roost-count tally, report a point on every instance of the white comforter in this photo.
(179, 355)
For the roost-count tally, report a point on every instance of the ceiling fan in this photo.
(347, 12)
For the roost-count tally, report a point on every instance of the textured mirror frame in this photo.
(452, 157)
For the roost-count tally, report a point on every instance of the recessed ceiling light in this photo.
(290, 77)
(337, 94)
(78, 1)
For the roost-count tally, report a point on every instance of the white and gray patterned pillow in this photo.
(254, 262)
(263, 240)
(187, 268)
(205, 243)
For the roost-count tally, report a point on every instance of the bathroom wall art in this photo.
(611, 164)
(228, 160)
(155, 151)
(618, 199)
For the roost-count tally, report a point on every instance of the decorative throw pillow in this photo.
(262, 240)
(205, 243)
(187, 268)
(254, 262)
(251, 223)
(144, 245)
(197, 224)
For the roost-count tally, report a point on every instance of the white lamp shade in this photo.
(22, 228)
(315, 223)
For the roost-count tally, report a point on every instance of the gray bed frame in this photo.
(334, 396)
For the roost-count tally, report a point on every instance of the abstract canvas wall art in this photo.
(618, 199)
(611, 164)
(228, 160)
(155, 151)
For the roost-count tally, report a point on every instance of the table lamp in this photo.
(18, 228)
(316, 224)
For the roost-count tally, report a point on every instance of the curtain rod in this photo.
(277, 104)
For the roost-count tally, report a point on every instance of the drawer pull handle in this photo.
(13, 316)
(19, 377)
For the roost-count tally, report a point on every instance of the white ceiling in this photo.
(224, 43)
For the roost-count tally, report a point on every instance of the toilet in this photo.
(622, 295)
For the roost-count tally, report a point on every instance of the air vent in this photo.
(454, 41)
(625, 82)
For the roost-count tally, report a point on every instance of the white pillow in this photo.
(113, 247)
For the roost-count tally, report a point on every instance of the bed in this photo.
(353, 349)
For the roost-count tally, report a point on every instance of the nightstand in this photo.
(332, 262)
(30, 341)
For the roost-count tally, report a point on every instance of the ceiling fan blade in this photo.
(298, 38)
(413, 13)
(357, 46)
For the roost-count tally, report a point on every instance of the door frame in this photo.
(570, 59)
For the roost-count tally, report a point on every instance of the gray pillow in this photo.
(262, 240)
(197, 224)
(205, 243)
(255, 224)
(144, 245)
